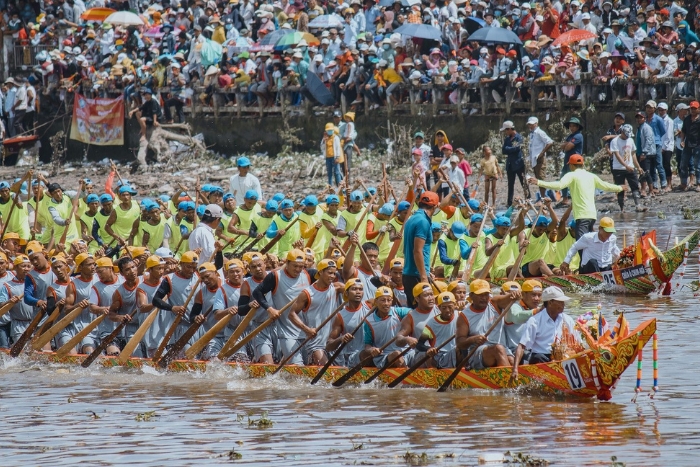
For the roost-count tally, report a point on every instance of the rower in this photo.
(102, 299)
(413, 323)
(19, 222)
(520, 312)
(175, 287)
(452, 249)
(87, 221)
(473, 242)
(396, 281)
(21, 314)
(280, 227)
(377, 226)
(256, 268)
(437, 330)
(37, 281)
(155, 269)
(381, 327)
(329, 222)
(345, 322)
(124, 307)
(599, 250)
(506, 237)
(347, 223)
(231, 289)
(264, 221)
(60, 208)
(458, 288)
(40, 197)
(153, 227)
(124, 217)
(284, 285)
(178, 231)
(368, 268)
(566, 237)
(475, 320)
(537, 246)
(11, 244)
(310, 218)
(244, 218)
(56, 291)
(78, 295)
(394, 228)
(543, 329)
(317, 302)
(103, 239)
(211, 295)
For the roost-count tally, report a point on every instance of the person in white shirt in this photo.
(202, 237)
(456, 174)
(19, 108)
(244, 181)
(540, 143)
(599, 250)
(625, 165)
(681, 112)
(667, 142)
(543, 328)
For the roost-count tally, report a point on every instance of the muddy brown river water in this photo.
(59, 416)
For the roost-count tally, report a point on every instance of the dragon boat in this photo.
(593, 372)
(635, 278)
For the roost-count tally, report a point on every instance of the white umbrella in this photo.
(124, 18)
(325, 22)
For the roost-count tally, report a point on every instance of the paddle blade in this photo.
(65, 350)
(135, 340)
(203, 341)
(56, 328)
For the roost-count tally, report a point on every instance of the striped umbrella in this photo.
(96, 14)
(293, 38)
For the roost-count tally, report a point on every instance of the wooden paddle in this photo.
(8, 306)
(196, 204)
(18, 346)
(39, 199)
(340, 349)
(392, 253)
(182, 341)
(393, 214)
(418, 364)
(175, 324)
(461, 363)
(14, 201)
(203, 341)
(354, 370)
(250, 246)
(521, 255)
(492, 259)
(386, 366)
(308, 339)
(44, 339)
(48, 322)
(367, 209)
(274, 241)
(135, 340)
(232, 346)
(65, 350)
(473, 253)
(104, 344)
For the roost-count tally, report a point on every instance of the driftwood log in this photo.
(159, 138)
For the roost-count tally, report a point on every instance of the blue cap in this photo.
(228, 196)
(356, 196)
(476, 218)
(88, 181)
(243, 162)
(92, 198)
(216, 189)
(378, 38)
(106, 198)
(501, 214)
(119, 182)
(150, 206)
(372, 191)
(386, 209)
(23, 188)
(200, 210)
(572, 223)
(272, 205)
(286, 203)
(310, 200)
(251, 194)
(474, 205)
(278, 197)
(126, 189)
(542, 221)
(206, 188)
(164, 198)
(404, 206)
(147, 91)
(458, 229)
(4, 185)
(435, 226)
(145, 202)
(185, 205)
(330, 199)
(501, 221)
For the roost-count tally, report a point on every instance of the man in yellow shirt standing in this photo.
(392, 78)
(582, 185)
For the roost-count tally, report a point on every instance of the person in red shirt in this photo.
(619, 64)
(550, 25)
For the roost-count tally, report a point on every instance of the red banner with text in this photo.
(98, 121)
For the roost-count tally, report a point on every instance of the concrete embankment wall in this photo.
(231, 136)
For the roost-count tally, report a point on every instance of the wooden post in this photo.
(696, 88)
(435, 100)
(509, 97)
(560, 104)
(215, 103)
(412, 96)
(484, 99)
(584, 94)
(239, 103)
(460, 95)
(669, 93)
(343, 104)
(533, 98)
(368, 103)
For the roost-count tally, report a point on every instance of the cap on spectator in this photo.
(243, 162)
(651, 103)
(667, 24)
(429, 198)
(416, 152)
(507, 125)
(607, 30)
(214, 210)
(383, 63)
(639, 113)
(663, 106)
(533, 121)
(447, 147)
(694, 105)
(404, 206)
(576, 159)
(501, 51)
(682, 106)
(620, 114)
(663, 58)
(584, 16)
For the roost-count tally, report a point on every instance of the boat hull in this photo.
(592, 373)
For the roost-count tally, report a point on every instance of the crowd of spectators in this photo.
(193, 49)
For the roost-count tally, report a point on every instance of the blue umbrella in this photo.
(422, 31)
(318, 90)
(274, 36)
(495, 36)
(472, 24)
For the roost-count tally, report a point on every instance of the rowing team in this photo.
(295, 313)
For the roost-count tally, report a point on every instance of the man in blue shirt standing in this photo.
(573, 144)
(657, 124)
(418, 236)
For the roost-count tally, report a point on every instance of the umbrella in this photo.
(124, 18)
(96, 14)
(318, 90)
(272, 37)
(154, 32)
(495, 36)
(472, 24)
(293, 38)
(422, 31)
(575, 35)
(325, 22)
(405, 3)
